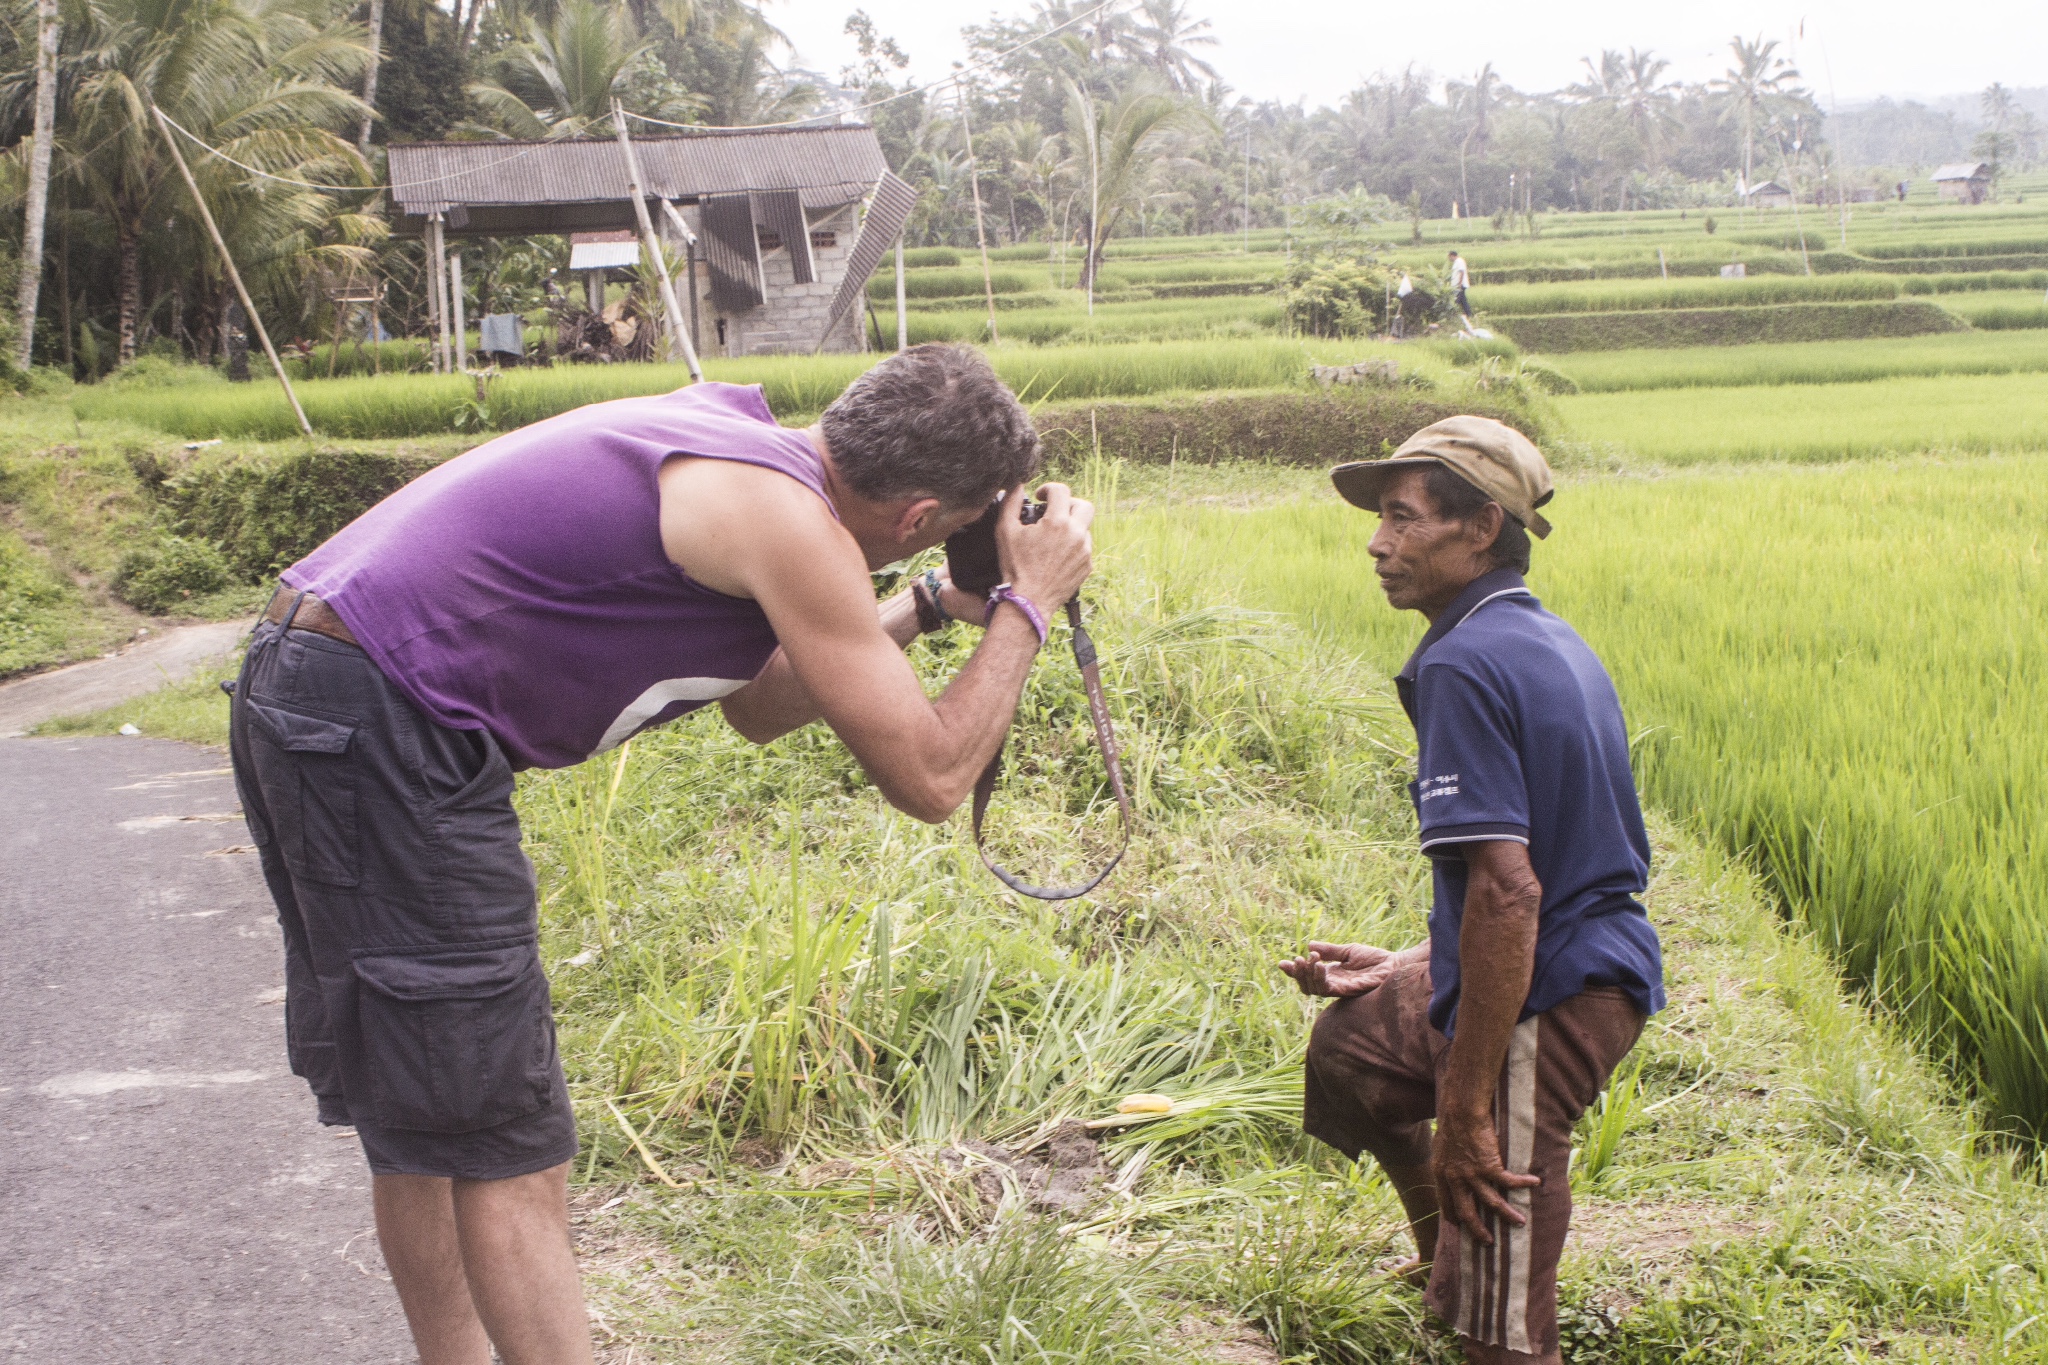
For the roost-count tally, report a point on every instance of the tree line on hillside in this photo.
(1085, 124)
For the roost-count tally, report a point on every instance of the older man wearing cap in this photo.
(1541, 964)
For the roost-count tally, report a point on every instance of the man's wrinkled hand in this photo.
(1340, 969)
(1470, 1180)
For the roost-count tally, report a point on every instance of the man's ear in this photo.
(916, 518)
(1486, 526)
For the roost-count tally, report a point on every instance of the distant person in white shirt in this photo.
(1461, 280)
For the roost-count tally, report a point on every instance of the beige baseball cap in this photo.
(1491, 456)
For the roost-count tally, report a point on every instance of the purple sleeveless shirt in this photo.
(522, 588)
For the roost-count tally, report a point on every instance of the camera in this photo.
(971, 559)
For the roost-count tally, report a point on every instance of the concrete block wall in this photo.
(794, 315)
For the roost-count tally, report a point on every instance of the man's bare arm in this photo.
(1496, 960)
(789, 555)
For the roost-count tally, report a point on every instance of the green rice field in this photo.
(1810, 423)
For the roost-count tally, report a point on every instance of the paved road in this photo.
(165, 1195)
(27, 702)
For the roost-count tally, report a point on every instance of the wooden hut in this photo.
(1965, 182)
(779, 229)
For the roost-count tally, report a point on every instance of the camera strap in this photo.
(1105, 741)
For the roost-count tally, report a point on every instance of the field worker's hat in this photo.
(1491, 456)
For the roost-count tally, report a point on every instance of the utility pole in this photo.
(1247, 184)
(234, 275)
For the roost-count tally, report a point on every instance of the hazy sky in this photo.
(1274, 49)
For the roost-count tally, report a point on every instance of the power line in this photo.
(216, 152)
(811, 121)
(905, 93)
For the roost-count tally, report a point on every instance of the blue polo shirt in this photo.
(1519, 736)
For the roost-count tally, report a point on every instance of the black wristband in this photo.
(930, 616)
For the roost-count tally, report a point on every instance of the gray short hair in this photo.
(933, 421)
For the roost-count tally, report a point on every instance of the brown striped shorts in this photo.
(1374, 1064)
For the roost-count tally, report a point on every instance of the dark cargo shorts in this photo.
(415, 1005)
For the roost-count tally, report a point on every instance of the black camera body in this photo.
(971, 559)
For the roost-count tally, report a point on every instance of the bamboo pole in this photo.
(234, 275)
(677, 330)
(980, 236)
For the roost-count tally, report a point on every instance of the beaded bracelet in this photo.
(1003, 592)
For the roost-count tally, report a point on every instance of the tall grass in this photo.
(1838, 671)
(796, 387)
(1812, 423)
(2005, 310)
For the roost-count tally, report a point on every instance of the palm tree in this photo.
(1757, 77)
(1115, 158)
(374, 41)
(1476, 102)
(561, 79)
(1645, 101)
(1164, 34)
(253, 78)
(48, 29)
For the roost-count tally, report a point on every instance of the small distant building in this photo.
(1770, 195)
(595, 255)
(1965, 182)
(779, 228)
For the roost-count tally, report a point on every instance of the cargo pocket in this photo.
(311, 790)
(456, 1039)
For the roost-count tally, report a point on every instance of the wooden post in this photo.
(234, 275)
(461, 323)
(437, 290)
(902, 313)
(689, 268)
(678, 333)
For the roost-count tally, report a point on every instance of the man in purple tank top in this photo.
(539, 599)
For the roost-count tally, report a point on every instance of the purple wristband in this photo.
(1003, 592)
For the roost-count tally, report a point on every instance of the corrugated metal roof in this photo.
(580, 183)
(1963, 170)
(889, 211)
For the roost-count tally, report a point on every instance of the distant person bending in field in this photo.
(1461, 280)
(545, 597)
(1541, 964)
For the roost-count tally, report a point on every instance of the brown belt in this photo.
(312, 614)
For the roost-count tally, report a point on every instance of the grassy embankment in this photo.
(819, 1058)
